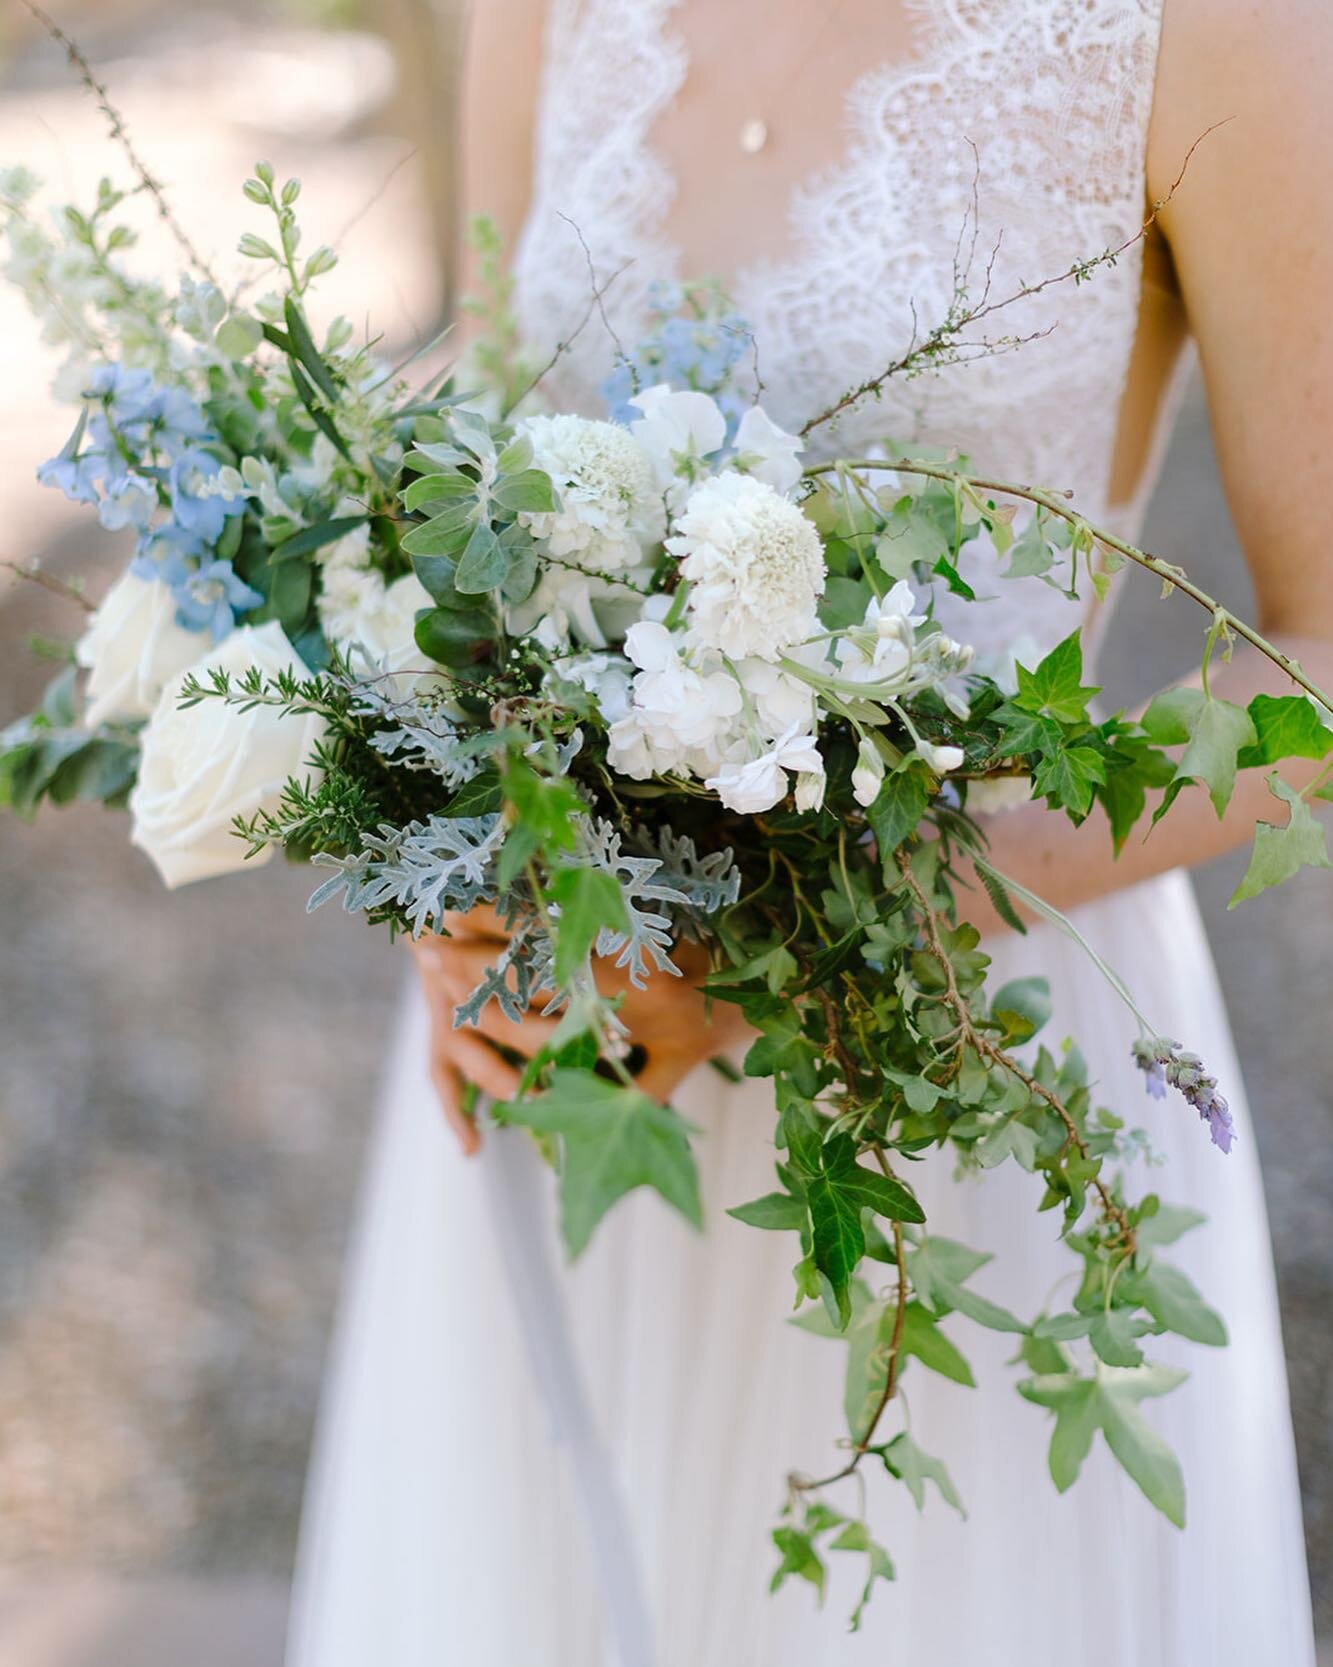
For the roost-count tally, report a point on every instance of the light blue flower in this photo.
(168, 553)
(199, 513)
(210, 597)
(129, 502)
(76, 477)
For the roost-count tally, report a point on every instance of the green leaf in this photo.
(589, 899)
(1172, 715)
(1173, 1302)
(1056, 687)
(238, 336)
(799, 1557)
(1285, 726)
(837, 1190)
(446, 534)
(911, 1465)
(938, 1269)
(452, 638)
(1112, 1335)
(923, 1338)
(1025, 732)
(613, 1139)
(531, 492)
(1022, 1006)
(303, 346)
(775, 1211)
(1219, 732)
(310, 539)
(898, 808)
(483, 564)
(1066, 778)
(1109, 1402)
(1281, 852)
(1031, 555)
(438, 489)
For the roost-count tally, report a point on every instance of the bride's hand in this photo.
(669, 1021)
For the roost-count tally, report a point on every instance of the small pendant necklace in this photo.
(752, 135)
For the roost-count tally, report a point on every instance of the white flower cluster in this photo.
(726, 672)
(372, 621)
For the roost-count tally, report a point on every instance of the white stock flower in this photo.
(759, 783)
(767, 452)
(680, 719)
(203, 766)
(132, 648)
(372, 622)
(606, 677)
(755, 566)
(678, 430)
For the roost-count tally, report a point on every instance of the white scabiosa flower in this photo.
(755, 566)
(610, 510)
(757, 784)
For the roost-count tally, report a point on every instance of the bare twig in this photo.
(563, 346)
(938, 344)
(1057, 504)
(116, 123)
(57, 587)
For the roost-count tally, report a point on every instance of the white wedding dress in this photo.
(471, 1503)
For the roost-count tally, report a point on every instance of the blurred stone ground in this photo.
(185, 1083)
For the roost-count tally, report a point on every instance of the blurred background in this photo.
(186, 1084)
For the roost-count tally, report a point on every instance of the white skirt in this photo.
(446, 1522)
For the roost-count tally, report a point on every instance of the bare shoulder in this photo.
(1251, 75)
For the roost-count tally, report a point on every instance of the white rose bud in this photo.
(203, 766)
(132, 648)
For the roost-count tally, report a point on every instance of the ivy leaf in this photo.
(1285, 726)
(1025, 732)
(775, 1211)
(923, 1338)
(613, 1139)
(938, 1269)
(1175, 1304)
(1112, 1335)
(1056, 686)
(1281, 852)
(1031, 555)
(898, 808)
(1172, 715)
(915, 1467)
(589, 900)
(1217, 736)
(1109, 1402)
(1066, 779)
(799, 1557)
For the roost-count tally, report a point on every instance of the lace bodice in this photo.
(1031, 115)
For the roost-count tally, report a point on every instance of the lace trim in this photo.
(1057, 95)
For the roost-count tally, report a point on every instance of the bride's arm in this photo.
(1251, 236)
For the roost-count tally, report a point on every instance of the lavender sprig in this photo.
(1162, 1061)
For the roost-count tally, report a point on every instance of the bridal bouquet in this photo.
(632, 682)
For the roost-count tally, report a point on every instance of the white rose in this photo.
(132, 648)
(202, 767)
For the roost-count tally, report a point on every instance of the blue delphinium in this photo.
(210, 597)
(690, 348)
(140, 449)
